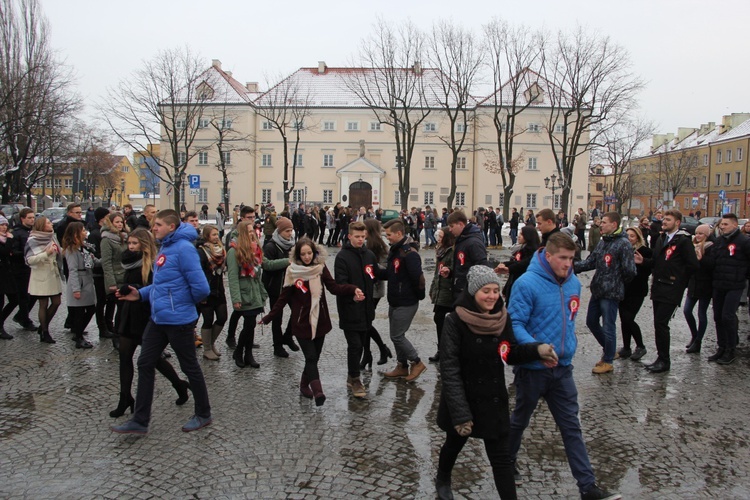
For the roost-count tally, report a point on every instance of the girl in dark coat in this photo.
(214, 308)
(635, 292)
(138, 262)
(477, 342)
(441, 290)
(699, 291)
(528, 241)
(7, 285)
(303, 291)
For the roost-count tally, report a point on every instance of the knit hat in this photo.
(3, 220)
(480, 276)
(100, 213)
(282, 224)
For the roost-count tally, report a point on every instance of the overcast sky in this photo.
(693, 55)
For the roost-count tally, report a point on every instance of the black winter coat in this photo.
(95, 240)
(700, 285)
(517, 265)
(639, 286)
(17, 248)
(673, 265)
(133, 316)
(406, 284)
(217, 295)
(358, 267)
(273, 280)
(729, 261)
(473, 375)
(7, 284)
(613, 260)
(468, 251)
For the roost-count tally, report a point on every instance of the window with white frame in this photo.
(429, 198)
(429, 162)
(739, 154)
(397, 198)
(265, 196)
(227, 157)
(532, 163)
(738, 178)
(556, 201)
(533, 127)
(299, 160)
(705, 181)
(203, 158)
(430, 127)
(203, 195)
(328, 196)
(728, 178)
(266, 125)
(352, 126)
(298, 125)
(181, 158)
(68, 183)
(298, 195)
(225, 124)
(530, 200)
(460, 199)
(461, 163)
(729, 156)
(203, 122)
(462, 127)
(718, 157)
(180, 124)
(559, 128)
(328, 160)
(705, 160)
(329, 126)
(265, 160)
(125, 169)
(375, 127)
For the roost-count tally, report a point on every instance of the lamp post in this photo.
(554, 183)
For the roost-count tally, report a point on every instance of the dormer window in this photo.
(534, 94)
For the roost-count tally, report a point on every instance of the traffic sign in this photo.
(195, 192)
(194, 181)
(722, 195)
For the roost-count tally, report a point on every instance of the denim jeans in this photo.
(513, 235)
(696, 331)
(493, 236)
(606, 332)
(155, 340)
(557, 387)
(429, 237)
(399, 319)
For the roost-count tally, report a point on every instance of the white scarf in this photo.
(297, 273)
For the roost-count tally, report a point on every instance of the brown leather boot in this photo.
(415, 370)
(398, 372)
(357, 387)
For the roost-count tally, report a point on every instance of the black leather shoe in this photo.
(726, 358)
(435, 358)
(443, 489)
(659, 366)
(695, 347)
(718, 354)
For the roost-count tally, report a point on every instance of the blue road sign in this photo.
(722, 195)
(194, 181)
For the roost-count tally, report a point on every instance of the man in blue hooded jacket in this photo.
(543, 308)
(178, 285)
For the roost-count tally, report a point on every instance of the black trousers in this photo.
(276, 334)
(311, 348)
(127, 350)
(498, 454)
(726, 303)
(629, 307)
(354, 341)
(25, 301)
(663, 312)
(80, 318)
(439, 319)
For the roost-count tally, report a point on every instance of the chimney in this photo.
(683, 132)
(252, 87)
(216, 63)
(417, 68)
(322, 67)
(229, 73)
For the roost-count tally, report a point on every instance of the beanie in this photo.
(100, 213)
(480, 276)
(3, 220)
(282, 224)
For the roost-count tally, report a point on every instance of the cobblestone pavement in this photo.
(675, 435)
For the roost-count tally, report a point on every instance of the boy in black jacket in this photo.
(406, 288)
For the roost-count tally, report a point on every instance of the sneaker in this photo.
(196, 423)
(130, 427)
(415, 370)
(602, 367)
(726, 358)
(624, 353)
(596, 493)
(638, 353)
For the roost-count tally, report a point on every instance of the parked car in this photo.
(689, 224)
(54, 214)
(11, 212)
(389, 215)
(711, 221)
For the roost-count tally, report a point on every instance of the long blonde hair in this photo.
(243, 248)
(109, 225)
(148, 249)
(640, 242)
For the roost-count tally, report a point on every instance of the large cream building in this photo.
(345, 155)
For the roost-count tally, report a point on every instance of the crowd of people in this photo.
(149, 279)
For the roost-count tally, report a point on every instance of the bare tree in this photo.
(287, 107)
(35, 94)
(162, 103)
(392, 86)
(455, 54)
(591, 88)
(619, 145)
(95, 163)
(514, 56)
(677, 170)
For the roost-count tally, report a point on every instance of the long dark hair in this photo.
(304, 242)
(531, 237)
(374, 240)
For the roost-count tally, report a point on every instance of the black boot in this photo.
(695, 347)
(290, 343)
(231, 342)
(126, 401)
(248, 358)
(366, 360)
(443, 489)
(45, 337)
(385, 353)
(182, 392)
(116, 343)
(238, 358)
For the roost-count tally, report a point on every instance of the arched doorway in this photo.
(360, 194)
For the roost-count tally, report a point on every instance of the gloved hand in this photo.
(465, 428)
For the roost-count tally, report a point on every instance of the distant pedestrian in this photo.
(80, 293)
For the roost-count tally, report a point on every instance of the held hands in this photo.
(445, 272)
(359, 296)
(132, 296)
(548, 355)
(465, 428)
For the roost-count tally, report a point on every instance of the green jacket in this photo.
(269, 226)
(249, 291)
(441, 290)
(114, 273)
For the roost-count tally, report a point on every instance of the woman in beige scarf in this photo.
(303, 291)
(477, 342)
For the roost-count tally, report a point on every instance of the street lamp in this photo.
(556, 183)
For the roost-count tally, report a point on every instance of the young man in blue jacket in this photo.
(543, 308)
(179, 284)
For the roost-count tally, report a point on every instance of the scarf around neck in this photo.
(285, 245)
(216, 256)
(131, 260)
(116, 238)
(39, 241)
(297, 274)
(483, 323)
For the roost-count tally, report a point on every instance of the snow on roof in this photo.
(743, 129)
(533, 90)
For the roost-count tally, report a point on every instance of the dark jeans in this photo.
(155, 340)
(127, 350)
(606, 332)
(726, 303)
(213, 309)
(629, 308)
(497, 452)
(234, 320)
(557, 387)
(439, 319)
(354, 342)
(247, 335)
(513, 235)
(7, 308)
(80, 318)
(499, 234)
(696, 331)
(276, 333)
(25, 301)
(321, 232)
(662, 314)
(311, 348)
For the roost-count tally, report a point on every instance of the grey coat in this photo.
(114, 273)
(80, 278)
